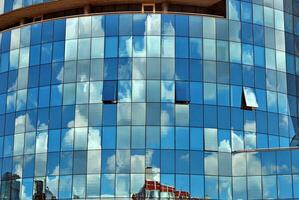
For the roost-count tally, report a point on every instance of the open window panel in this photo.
(182, 93)
(109, 92)
(249, 101)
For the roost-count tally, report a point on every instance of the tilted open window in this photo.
(109, 92)
(182, 93)
(249, 101)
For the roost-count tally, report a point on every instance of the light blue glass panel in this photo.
(222, 51)
(195, 48)
(209, 25)
(83, 49)
(139, 46)
(138, 90)
(24, 57)
(296, 186)
(95, 94)
(70, 50)
(239, 188)
(235, 52)
(284, 186)
(270, 58)
(211, 142)
(153, 46)
(247, 54)
(211, 187)
(69, 91)
(15, 39)
(209, 47)
(98, 23)
(14, 59)
(168, 47)
(71, 28)
(153, 24)
(269, 17)
(82, 93)
(97, 47)
(125, 46)
(167, 91)
(124, 91)
(84, 27)
(210, 93)
(182, 115)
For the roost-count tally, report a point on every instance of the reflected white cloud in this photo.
(167, 91)
(20, 123)
(165, 117)
(237, 141)
(153, 24)
(211, 163)
(224, 146)
(124, 91)
(250, 125)
(94, 139)
(41, 142)
(138, 91)
(11, 99)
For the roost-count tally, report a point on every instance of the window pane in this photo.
(110, 91)
(250, 98)
(182, 92)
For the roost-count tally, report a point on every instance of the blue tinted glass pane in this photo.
(285, 187)
(58, 51)
(182, 69)
(44, 75)
(246, 12)
(196, 48)
(182, 92)
(34, 55)
(182, 47)
(36, 33)
(195, 21)
(234, 10)
(47, 32)
(168, 24)
(110, 91)
(46, 53)
(181, 25)
(59, 30)
(111, 27)
(196, 92)
(110, 69)
(109, 138)
(5, 45)
(111, 47)
(3, 81)
(139, 22)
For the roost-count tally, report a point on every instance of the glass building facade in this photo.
(132, 106)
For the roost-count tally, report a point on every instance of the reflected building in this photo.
(11, 185)
(174, 99)
(154, 190)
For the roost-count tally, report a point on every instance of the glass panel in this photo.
(250, 98)
(109, 91)
(182, 92)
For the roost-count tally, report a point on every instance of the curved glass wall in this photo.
(10, 5)
(147, 105)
